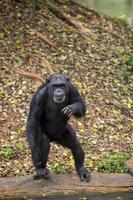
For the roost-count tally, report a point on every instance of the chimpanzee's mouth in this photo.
(59, 99)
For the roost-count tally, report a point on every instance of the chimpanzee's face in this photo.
(58, 88)
(59, 93)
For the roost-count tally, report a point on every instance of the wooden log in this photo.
(25, 186)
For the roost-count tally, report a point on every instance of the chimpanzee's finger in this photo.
(70, 114)
(68, 111)
(64, 110)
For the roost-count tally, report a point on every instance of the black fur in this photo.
(48, 121)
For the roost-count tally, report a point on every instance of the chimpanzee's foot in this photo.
(42, 173)
(84, 174)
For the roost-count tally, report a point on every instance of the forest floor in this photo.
(95, 52)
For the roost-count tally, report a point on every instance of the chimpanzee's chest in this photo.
(53, 112)
(54, 121)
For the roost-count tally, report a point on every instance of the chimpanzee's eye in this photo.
(62, 85)
(54, 86)
(58, 86)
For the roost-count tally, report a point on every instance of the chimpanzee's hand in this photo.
(42, 174)
(84, 174)
(68, 111)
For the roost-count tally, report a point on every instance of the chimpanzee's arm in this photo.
(38, 141)
(36, 111)
(76, 105)
(76, 102)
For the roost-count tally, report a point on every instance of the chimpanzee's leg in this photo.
(40, 146)
(70, 141)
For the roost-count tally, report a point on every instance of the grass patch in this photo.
(122, 19)
(127, 69)
(113, 163)
(7, 153)
(58, 168)
(19, 146)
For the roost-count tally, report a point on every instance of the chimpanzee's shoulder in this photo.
(40, 94)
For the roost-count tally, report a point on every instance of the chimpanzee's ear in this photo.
(48, 80)
(68, 79)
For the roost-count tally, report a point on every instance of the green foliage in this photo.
(19, 146)
(127, 69)
(122, 19)
(58, 168)
(113, 163)
(7, 153)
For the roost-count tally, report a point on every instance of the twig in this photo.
(32, 76)
(45, 39)
(70, 20)
(51, 71)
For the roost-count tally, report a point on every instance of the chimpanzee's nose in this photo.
(59, 93)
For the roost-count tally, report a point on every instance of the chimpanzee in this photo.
(51, 107)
